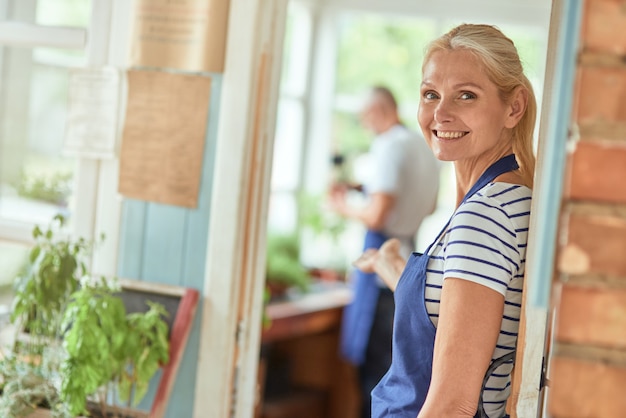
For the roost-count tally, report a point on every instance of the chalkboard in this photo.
(135, 301)
(181, 303)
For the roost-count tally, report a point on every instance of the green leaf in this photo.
(34, 253)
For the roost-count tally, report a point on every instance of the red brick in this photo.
(592, 316)
(598, 172)
(586, 389)
(599, 32)
(600, 94)
(598, 243)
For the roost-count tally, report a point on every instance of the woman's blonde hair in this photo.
(504, 68)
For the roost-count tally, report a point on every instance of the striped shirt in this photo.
(485, 243)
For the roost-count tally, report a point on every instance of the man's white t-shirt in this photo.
(401, 164)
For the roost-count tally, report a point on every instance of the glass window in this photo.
(63, 12)
(290, 121)
(283, 211)
(288, 145)
(376, 49)
(35, 177)
(295, 70)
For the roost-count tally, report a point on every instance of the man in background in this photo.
(401, 185)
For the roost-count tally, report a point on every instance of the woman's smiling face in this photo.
(461, 113)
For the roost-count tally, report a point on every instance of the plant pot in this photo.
(95, 412)
(277, 290)
(40, 413)
(328, 275)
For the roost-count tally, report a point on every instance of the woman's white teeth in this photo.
(450, 135)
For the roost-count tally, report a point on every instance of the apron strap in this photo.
(503, 165)
(492, 368)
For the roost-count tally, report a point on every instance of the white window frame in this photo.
(98, 207)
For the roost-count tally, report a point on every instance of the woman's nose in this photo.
(443, 112)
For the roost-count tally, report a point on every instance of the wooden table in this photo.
(305, 330)
(317, 311)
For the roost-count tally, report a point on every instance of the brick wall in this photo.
(588, 368)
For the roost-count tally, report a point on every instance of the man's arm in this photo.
(373, 216)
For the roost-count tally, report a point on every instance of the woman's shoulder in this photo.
(503, 195)
(503, 203)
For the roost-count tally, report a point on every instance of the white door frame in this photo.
(235, 267)
(234, 275)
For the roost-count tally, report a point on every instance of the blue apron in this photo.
(402, 391)
(358, 316)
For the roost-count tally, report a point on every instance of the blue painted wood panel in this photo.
(167, 244)
(131, 238)
(164, 247)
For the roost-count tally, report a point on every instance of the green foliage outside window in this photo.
(382, 50)
(377, 50)
(52, 188)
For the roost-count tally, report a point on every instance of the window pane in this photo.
(76, 13)
(35, 179)
(60, 57)
(282, 213)
(288, 145)
(376, 49)
(296, 50)
(63, 12)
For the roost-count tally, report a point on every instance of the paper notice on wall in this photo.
(92, 113)
(183, 34)
(163, 139)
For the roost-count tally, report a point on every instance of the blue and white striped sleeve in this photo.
(482, 245)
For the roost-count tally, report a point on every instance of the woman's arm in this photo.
(386, 262)
(470, 315)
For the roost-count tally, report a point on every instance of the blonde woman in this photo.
(458, 304)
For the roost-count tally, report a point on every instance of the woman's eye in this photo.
(429, 95)
(467, 96)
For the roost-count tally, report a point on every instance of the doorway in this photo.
(247, 289)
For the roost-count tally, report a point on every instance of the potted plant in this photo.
(324, 229)
(110, 354)
(283, 268)
(43, 289)
(78, 351)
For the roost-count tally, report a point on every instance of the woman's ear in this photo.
(517, 107)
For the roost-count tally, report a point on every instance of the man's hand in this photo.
(386, 262)
(337, 199)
